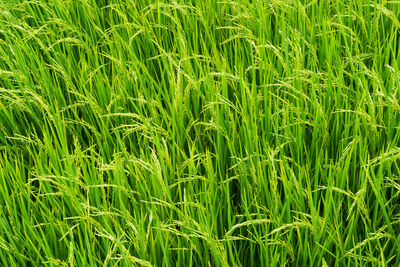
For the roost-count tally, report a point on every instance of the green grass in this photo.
(199, 133)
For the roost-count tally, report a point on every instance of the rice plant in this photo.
(199, 133)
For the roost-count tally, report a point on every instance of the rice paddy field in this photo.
(199, 133)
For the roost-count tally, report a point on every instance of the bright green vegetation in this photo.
(199, 133)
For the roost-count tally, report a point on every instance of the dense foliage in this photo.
(199, 133)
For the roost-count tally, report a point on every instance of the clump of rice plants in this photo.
(199, 133)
